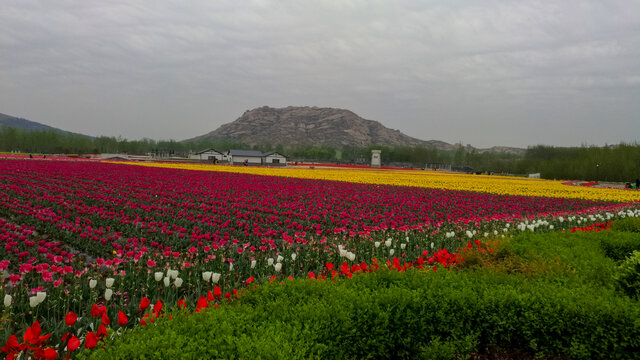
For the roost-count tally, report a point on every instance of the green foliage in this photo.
(563, 257)
(627, 275)
(629, 224)
(391, 315)
(613, 163)
(618, 245)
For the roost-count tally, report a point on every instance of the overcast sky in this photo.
(484, 73)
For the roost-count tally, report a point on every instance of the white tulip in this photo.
(93, 283)
(377, 244)
(206, 275)
(351, 256)
(391, 252)
(107, 294)
(280, 258)
(269, 261)
(41, 295)
(253, 264)
(230, 266)
(432, 244)
(109, 282)
(293, 256)
(278, 267)
(158, 275)
(403, 246)
(174, 274)
(167, 281)
(387, 243)
(178, 282)
(33, 301)
(7, 300)
(215, 277)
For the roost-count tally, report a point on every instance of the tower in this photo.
(375, 158)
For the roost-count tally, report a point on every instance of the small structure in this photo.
(375, 158)
(239, 157)
(439, 166)
(534, 176)
(274, 158)
(208, 155)
(114, 157)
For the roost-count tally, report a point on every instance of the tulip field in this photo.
(91, 249)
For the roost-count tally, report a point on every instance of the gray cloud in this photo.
(486, 73)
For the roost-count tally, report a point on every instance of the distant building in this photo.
(114, 157)
(274, 158)
(208, 155)
(238, 157)
(375, 158)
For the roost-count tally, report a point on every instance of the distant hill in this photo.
(293, 126)
(28, 125)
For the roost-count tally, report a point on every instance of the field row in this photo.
(501, 185)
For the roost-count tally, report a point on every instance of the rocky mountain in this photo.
(292, 126)
(28, 125)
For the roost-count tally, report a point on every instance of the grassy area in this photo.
(535, 295)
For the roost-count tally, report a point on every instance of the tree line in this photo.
(609, 163)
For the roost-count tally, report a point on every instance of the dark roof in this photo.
(255, 153)
(274, 152)
(207, 150)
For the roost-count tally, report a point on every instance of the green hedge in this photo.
(390, 315)
(542, 294)
(629, 224)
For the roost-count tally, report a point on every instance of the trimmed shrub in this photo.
(618, 245)
(628, 224)
(391, 315)
(628, 275)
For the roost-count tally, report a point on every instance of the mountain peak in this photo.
(311, 125)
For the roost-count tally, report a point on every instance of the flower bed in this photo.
(81, 235)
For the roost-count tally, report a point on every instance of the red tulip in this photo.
(202, 303)
(102, 331)
(122, 318)
(46, 354)
(105, 319)
(70, 318)
(144, 303)
(32, 335)
(97, 310)
(157, 308)
(91, 340)
(182, 304)
(73, 344)
(12, 345)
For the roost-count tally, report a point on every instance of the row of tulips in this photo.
(39, 346)
(120, 286)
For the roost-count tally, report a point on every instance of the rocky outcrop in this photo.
(316, 126)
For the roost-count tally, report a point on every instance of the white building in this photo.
(274, 158)
(208, 155)
(238, 157)
(375, 158)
